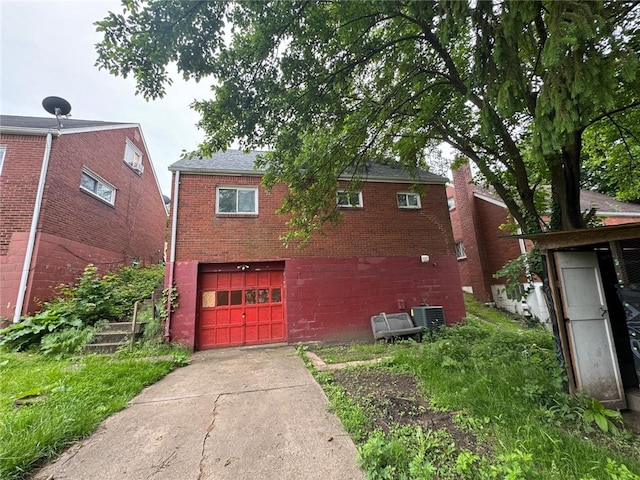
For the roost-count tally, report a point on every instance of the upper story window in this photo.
(93, 184)
(408, 200)
(451, 202)
(349, 199)
(133, 156)
(237, 200)
(460, 251)
(3, 151)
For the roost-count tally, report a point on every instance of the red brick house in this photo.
(84, 193)
(238, 284)
(482, 250)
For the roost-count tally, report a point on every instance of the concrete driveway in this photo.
(241, 413)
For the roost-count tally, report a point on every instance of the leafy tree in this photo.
(612, 156)
(328, 85)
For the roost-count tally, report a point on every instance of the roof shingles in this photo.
(241, 163)
(46, 123)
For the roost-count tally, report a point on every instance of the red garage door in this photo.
(240, 308)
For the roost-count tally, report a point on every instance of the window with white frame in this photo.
(3, 151)
(451, 202)
(95, 185)
(349, 199)
(460, 252)
(408, 200)
(133, 156)
(237, 200)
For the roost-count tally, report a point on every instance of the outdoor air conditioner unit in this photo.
(431, 318)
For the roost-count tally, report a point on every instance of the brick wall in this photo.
(498, 250)
(18, 184)
(11, 266)
(59, 260)
(134, 227)
(477, 222)
(183, 320)
(346, 274)
(464, 216)
(380, 228)
(77, 228)
(333, 299)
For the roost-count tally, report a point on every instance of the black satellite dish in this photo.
(56, 106)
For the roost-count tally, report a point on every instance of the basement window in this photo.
(96, 186)
(460, 251)
(349, 199)
(237, 200)
(133, 156)
(408, 200)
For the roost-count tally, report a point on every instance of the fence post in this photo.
(133, 325)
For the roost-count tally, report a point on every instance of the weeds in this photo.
(65, 323)
(506, 387)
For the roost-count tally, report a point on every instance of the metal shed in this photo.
(593, 283)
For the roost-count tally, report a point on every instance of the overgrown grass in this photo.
(491, 316)
(48, 403)
(356, 351)
(505, 383)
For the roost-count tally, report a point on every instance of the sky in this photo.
(47, 48)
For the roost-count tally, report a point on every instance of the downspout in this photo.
(172, 253)
(32, 232)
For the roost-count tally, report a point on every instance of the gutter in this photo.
(33, 230)
(172, 253)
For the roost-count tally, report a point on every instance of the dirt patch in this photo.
(395, 399)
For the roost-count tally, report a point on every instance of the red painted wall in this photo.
(18, 189)
(342, 277)
(183, 319)
(333, 299)
(76, 227)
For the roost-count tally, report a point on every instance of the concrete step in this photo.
(102, 347)
(121, 327)
(111, 337)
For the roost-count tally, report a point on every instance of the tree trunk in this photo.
(565, 179)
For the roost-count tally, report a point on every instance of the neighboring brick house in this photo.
(481, 246)
(97, 200)
(238, 284)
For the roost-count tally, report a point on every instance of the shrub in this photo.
(94, 298)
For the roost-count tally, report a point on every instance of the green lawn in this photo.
(502, 383)
(46, 403)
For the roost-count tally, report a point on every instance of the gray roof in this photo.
(605, 203)
(236, 162)
(46, 123)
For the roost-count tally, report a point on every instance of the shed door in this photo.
(240, 308)
(591, 341)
